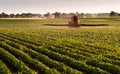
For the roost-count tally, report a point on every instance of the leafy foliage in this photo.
(36, 49)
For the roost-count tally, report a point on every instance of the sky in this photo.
(63, 6)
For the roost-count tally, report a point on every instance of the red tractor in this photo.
(74, 21)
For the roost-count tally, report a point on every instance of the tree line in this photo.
(114, 14)
(22, 15)
(58, 15)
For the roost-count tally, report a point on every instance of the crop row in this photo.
(14, 64)
(87, 55)
(32, 63)
(46, 60)
(73, 46)
(78, 56)
(3, 68)
(57, 47)
(88, 51)
(113, 69)
(86, 47)
(43, 50)
(65, 59)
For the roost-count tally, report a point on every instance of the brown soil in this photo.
(76, 25)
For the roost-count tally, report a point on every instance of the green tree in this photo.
(28, 15)
(47, 14)
(17, 15)
(119, 15)
(57, 14)
(113, 14)
(3, 15)
(12, 15)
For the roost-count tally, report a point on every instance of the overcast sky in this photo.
(67, 6)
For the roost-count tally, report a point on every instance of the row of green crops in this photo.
(38, 22)
(27, 47)
(3, 68)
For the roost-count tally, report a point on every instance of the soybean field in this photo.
(29, 47)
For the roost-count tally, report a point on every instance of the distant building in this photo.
(94, 15)
(36, 17)
(51, 16)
